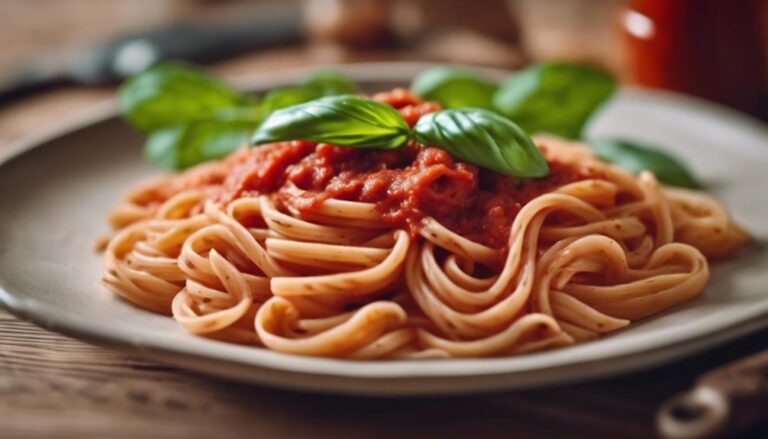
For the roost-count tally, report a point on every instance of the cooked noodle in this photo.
(583, 260)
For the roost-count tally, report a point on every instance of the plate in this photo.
(56, 189)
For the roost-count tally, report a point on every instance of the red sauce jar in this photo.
(710, 48)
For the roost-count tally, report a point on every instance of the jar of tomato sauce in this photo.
(710, 48)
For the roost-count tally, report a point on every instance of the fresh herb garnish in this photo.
(555, 98)
(475, 135)
(191, 117)
(454, 88)
(180, 146)
(346, 120)
(636, 157)
(169, 94)
(329, 83)
(287, 96)
(317, 85)
(483, 138)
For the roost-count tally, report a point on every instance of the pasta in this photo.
(281, 268)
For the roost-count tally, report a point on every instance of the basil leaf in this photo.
(556, 98)
(286, 97)
(329, 83)
(317, 85)
(341, 120)
(484, 138)
(169, 94)
(245, 114)
(636, 157)
(454, 88)
(184, 145)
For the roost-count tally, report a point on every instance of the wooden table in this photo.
(54, 386)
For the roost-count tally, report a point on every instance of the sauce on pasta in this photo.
(406, 185)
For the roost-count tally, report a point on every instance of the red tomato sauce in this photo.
(407, 184)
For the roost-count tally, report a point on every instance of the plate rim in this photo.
(44, 314)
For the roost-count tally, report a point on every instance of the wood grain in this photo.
(54, 386)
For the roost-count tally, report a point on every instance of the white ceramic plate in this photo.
(55, 191)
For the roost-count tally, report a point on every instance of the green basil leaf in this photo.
(252, 114)
(184, 145)
(556, 98)
(169, 94)
(636, 157)
(454, 88)
(329, 83)
(341, 120)
(286, 97)
(483, 138)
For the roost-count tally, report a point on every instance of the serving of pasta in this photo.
(414, 247)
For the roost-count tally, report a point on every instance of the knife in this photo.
(195, 42)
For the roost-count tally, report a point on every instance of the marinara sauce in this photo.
(407, 184)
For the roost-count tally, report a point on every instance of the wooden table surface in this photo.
(55, 386)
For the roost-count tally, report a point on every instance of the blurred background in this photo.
(59, 57)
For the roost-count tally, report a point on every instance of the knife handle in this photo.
(726, 401)
(198, 42)
(193, 42)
